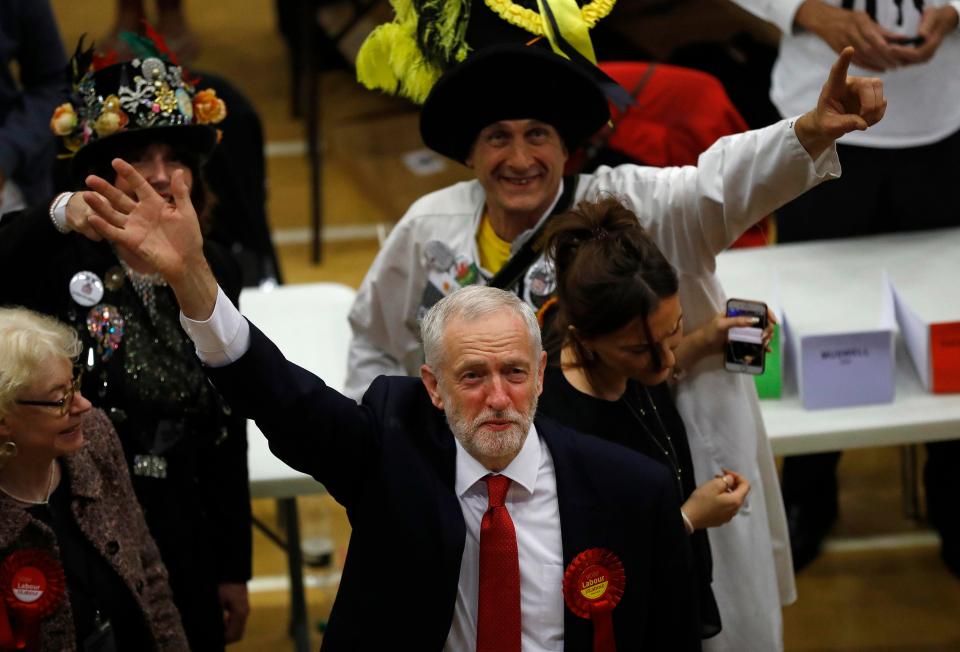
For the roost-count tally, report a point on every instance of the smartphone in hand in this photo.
(915, 41)
(744, 351)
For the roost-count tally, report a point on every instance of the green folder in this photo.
(770, 382)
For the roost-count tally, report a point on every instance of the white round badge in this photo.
(86, 288)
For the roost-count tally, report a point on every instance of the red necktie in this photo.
(498, 608)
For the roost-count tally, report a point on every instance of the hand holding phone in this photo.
(745, 350)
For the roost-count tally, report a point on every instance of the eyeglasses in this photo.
(63, 405)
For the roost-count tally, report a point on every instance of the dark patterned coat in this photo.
(107, 512)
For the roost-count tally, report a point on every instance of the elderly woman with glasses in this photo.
(78, 567)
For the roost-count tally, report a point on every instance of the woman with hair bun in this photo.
(616, 333)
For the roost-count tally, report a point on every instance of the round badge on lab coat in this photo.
(86, 288)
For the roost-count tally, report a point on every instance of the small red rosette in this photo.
(592, 586)
(32, 584)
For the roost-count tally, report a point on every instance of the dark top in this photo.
(96, 592)
(391, 461)
(646, 420)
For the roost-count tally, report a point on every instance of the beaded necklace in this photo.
(668, 450)
(145, 285)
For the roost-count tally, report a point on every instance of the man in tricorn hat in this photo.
(186, 452)
(512, 115)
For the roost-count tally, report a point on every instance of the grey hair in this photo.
(28, 342)
(470, 303)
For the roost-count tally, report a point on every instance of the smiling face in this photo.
(42, 432)
(520, 164)
(156, 164)
(626, 351)
(488, 385)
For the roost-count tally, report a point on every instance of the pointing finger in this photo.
(837, 81)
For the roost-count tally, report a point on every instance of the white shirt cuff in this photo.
(223, 337)
(825, 165)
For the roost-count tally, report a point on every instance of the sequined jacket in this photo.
(200, 514)
(106, 510)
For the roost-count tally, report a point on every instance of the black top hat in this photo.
(121, 105)
(511, 82)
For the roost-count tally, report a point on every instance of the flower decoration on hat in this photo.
(111, 97)
(407, 56)
(64, 120)
(208, 108)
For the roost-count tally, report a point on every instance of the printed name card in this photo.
(848, 369)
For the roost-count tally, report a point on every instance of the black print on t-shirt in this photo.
(871, 8)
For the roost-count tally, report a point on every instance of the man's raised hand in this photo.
(165, 236)
(846, 104)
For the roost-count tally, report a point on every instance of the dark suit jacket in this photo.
(391, 463)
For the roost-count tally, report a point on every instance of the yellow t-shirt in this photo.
(494, 252)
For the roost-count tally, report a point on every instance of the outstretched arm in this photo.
(846, 104)
(166, 236)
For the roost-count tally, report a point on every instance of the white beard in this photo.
(483, 443)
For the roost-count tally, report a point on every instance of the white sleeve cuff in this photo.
(223, 337)
(828, 163)
(825, 165)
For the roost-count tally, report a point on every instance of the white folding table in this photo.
(309, 324)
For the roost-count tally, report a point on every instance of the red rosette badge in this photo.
(592, 586)
(31, 586)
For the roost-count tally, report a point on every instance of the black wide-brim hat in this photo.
(511, 82)
(198, 139)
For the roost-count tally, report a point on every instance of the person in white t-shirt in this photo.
(897, 176)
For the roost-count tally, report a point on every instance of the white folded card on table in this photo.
(924, 274)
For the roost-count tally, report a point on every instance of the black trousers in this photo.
(880, 191)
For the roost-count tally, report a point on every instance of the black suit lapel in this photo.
(584, 523)
(453, 529)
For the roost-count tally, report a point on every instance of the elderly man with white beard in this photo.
(475, 526)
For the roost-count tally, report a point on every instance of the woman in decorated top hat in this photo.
(186, 453)
(78, 567)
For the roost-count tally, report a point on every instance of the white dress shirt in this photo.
(532, 504)
(531, 501)
(223, 337)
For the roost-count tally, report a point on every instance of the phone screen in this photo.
(744, 350)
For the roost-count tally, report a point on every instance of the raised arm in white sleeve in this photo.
(221, 339)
